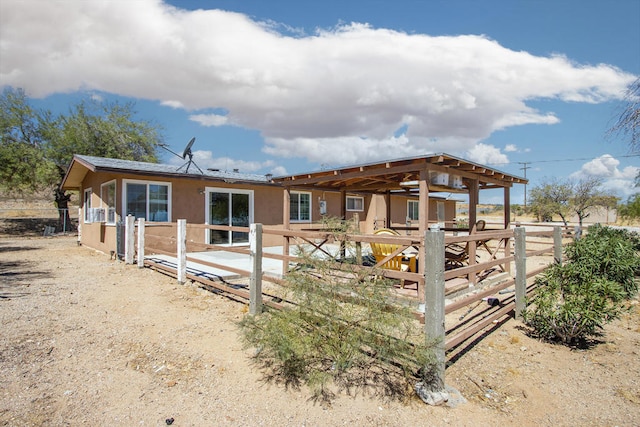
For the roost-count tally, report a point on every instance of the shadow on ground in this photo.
(30, 227)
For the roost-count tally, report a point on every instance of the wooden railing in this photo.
(503, 250)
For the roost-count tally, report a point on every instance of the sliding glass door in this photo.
(229, 208)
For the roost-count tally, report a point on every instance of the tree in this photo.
(551, 198)
(586, 195)
(567, 197)
(36, 148)
(630, 210)
(23, 166)
(628, 124)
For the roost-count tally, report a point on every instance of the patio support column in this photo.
(507, 207)
(423, 217)
(474, 196)
(507, 225)
(387, 202)
(286, 215)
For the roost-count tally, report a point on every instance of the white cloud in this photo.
(486, 155)
(205, 159)
(332, 93)
(172, 104)
(615, 181)
(510, 148)
(209, 119)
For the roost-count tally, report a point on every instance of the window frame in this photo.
(356, 209)
(410, 210)
(298, 194)
(126, 182)
(86, 204)
(103, 203)
(231, 192)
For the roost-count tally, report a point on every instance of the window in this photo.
(300, 206)
(228, 208)
(108, 195)
(88, 212)
(355, 203)
(413, 209)
(148, 200)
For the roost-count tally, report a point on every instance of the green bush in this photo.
(573, 301)
(608, 253)
(569, 311)
(339, 332)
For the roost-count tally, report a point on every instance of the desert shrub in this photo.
(339, 332)
(573, 301)
(608, 253)
(569, 311)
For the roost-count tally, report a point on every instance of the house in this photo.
(394, 193)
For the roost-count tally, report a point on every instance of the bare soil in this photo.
(87, 340)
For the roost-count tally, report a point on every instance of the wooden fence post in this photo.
(255, 283)
(434, 298)
(182, 250)
(140, 242)
(557, 244)
(129, 239)
(80, 221)
(521, 269)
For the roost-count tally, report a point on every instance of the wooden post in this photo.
(557, 244)
(387, 201)
(286, 218)
(507, 226)
(474, 195)
(434, 297)
(140, 242)
(255, 283)
(521, 269)
(343, 215)
(182, 250)
(129, 239)
(423, 224)
(80, 221)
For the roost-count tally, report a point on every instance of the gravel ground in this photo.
(90, 341)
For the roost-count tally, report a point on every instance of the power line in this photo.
(566, 160)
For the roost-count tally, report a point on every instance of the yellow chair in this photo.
(399, 262)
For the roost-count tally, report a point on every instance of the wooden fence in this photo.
(493, 250)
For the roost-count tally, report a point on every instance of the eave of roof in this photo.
(387, 176)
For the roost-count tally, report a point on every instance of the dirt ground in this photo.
(86, 340)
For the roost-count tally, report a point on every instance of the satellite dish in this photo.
(187, 149)
(187, 153)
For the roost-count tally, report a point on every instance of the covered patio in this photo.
(421, 176)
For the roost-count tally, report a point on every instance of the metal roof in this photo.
(80, 165)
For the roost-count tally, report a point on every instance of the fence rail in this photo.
(488, 250)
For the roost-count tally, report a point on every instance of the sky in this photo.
(529, 87)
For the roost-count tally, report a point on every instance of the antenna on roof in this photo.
(185, 153)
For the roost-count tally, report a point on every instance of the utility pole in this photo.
(524, 168)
